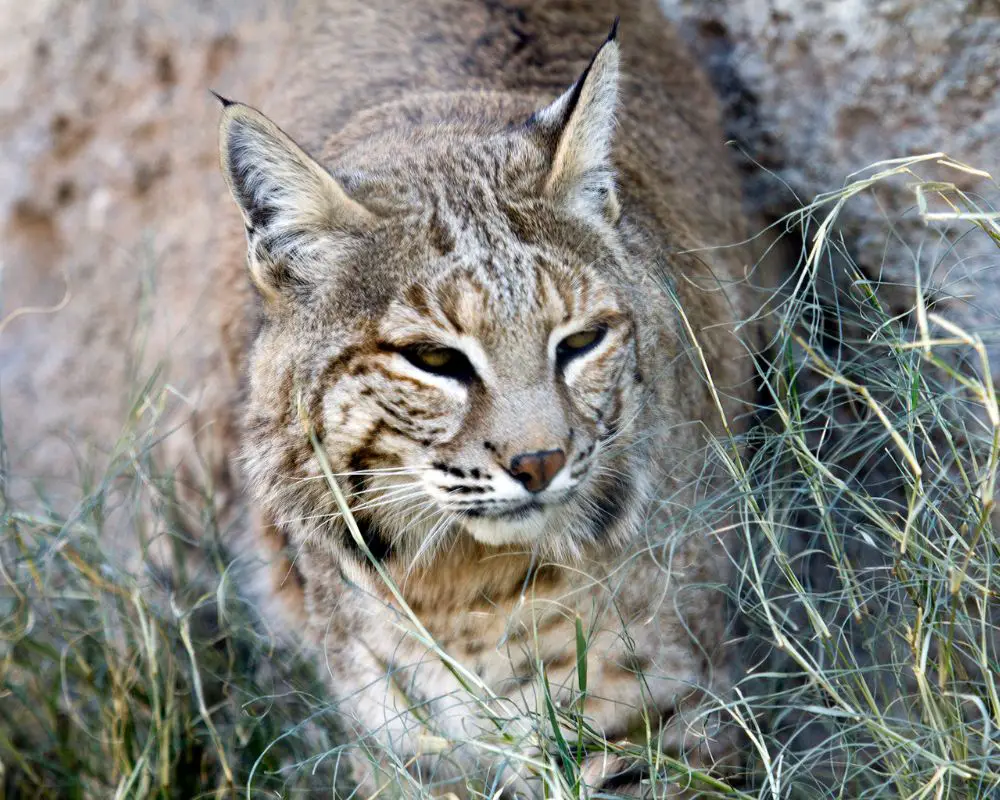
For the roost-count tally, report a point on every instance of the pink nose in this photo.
(536, 470)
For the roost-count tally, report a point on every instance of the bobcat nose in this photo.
(536, 470)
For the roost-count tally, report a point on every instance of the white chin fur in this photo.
(499, 531)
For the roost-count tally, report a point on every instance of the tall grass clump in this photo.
(868, 584)
(119, 680)
(865, 601)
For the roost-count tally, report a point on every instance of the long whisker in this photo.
(390, 491)
(603, 469)
(388, 471)
(623, 428)
(383, 470)
(385, 488)
(427, 508)
(390, 498)
(429, 536)
(430, 541)
(308, 518)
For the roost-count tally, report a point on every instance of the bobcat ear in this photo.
(580, 125)
(290, 204)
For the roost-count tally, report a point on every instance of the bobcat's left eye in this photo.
(444, 361)
(439, 358)
(578, 343)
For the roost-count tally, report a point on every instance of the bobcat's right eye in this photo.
(446, 361)
(576, 344)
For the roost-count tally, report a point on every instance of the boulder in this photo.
(815, 91)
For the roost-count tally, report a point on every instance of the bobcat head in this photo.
(445, 308)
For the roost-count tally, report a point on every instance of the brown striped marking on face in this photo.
(457, 382)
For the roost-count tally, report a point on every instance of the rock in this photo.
(109, 191)
(815, 91)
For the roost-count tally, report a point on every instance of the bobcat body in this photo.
(481, 259)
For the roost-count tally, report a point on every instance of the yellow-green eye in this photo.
(577, 341)
(435, 359)
(439, 361)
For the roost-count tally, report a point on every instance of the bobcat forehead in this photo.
(535, 297)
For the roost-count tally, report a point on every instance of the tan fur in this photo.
(467, 191)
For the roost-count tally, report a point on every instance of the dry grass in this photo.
(866, 589)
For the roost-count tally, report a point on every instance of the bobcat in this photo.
(488, 301)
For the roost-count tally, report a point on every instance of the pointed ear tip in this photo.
(610, 51)
(239, 117)
(613, 34)
(225, 101)
(609, 57)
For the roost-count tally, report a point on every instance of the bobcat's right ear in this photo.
(291, 206)
(580, 127)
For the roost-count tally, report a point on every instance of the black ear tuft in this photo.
(613, 35)
(226, 102)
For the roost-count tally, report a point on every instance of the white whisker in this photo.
(361, 473)
(385, 501)
(431, 540)
(385, 488)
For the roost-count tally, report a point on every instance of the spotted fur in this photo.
(475, 177)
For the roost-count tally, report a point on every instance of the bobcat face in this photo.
(493, 403)
(448, 308)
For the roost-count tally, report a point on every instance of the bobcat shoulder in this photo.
(482, 250)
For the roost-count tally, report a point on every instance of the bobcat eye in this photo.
(579, 343)
(440, 361)
(435, 359)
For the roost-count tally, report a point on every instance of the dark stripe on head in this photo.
(328, 377)
(441, 237)
(365, 456)
(416, 296)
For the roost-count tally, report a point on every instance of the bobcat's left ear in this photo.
(581, 125)
(292, 207)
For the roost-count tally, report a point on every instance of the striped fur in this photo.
(496, 219)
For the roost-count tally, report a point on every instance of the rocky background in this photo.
(110, 196)
(108, 172)
(814, 91)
